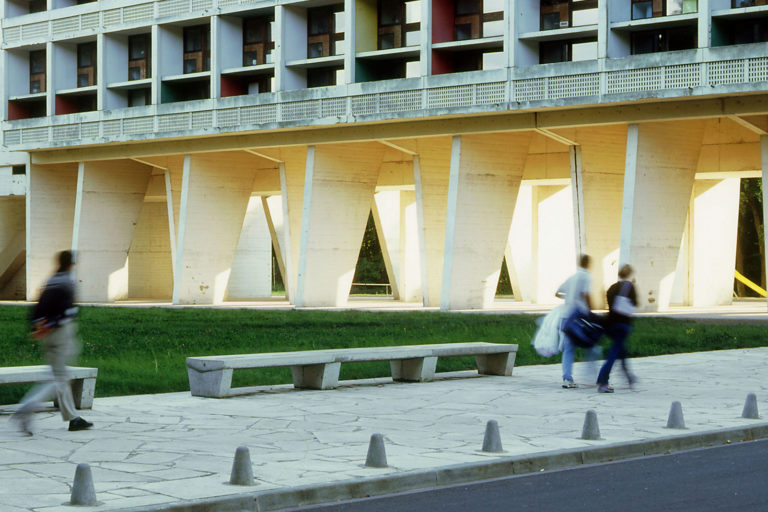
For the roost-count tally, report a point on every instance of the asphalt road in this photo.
(728, 478)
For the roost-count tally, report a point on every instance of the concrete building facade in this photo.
(175, 144)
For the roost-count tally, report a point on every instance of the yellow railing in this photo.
(749, 283)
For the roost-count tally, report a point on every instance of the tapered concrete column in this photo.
(50, 218)
(150, 263)
(555, 242)
(273, 214)
(658, 182)
(486, 171)
(110, 195)
(215, 193)
(338, 191)
(292, 177)
(521, 247)
(599, 160)
(431, 168)
(386, 217)
(713, 241)
(13, 248)
(251, 276)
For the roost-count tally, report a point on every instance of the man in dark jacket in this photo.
(622, 301)
(53, 322)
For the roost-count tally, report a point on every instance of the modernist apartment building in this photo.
(175, 143)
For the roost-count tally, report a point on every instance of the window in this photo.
(399, 23)
(325, 31)
(197, 49)
(86, 64)
(322, 77)
(19, 170)
(36, 71)
(664, 40)
(743, 31)
(472, 19)
(556, 14)
(642, 9)
(566, 51)
(138, 97)
(37, 6)
(139, 57)
(257, 41)
(748, 3)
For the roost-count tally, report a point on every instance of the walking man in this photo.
(575, 291)
(622, 301)
(53, 322)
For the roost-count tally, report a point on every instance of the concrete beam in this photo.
(110, 196)
(485, 176)
(661, 161)
(338, 190)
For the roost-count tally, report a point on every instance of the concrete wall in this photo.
(13, 248)
(110, 195)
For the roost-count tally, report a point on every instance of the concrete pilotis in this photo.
(110, 196)
(660, 170)
(214, 200)
(485, 175)
(492, 439)
(338, 191)
(377, 455)
(83, 491)
(251, 275)
(13, 247)
(50, 217)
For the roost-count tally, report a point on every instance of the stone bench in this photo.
(319, 369)
(83, 380)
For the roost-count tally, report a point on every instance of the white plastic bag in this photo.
(546, 341)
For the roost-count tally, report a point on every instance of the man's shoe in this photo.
(79, 424)
(23, 422)
(569, 384)
(604, 388)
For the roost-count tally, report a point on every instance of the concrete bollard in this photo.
(242, 470)
(675, 419)
(590, 431)
(750, 408)
(83, 492)
(377, 455)
(492, 439)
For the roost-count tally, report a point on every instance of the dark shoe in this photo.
(23, 422)
(604, 388)
(79, 424)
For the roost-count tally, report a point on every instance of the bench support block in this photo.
(82, 392)
(213, 384)
(418, 369)
(316, 376)
(496, 364)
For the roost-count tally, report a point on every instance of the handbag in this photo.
(583, 329)
(622, 304)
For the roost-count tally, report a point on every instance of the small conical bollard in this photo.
(83, 493)
(676, 419)
(242, 471)
(492, 439)
(591, 430)
(750, 408)
(377, 456)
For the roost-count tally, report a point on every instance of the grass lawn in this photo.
(142, 350)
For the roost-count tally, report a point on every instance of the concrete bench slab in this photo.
(211, 376)
(83, 380)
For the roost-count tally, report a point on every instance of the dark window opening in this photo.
(37, 6)
(139, 64)
(664, 40)
(86, 64)
(19, 170)
(257, 41)
(138, 97)
(642, 9)
(197, 49)
(741, 31)
(564, 51)
(321, 31)
(748, 3)
(554, 14)
(321, 77)
(469, 18)
(37, 71)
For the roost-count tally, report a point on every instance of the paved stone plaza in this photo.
(160, 449)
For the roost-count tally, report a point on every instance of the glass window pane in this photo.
(642, 10)
(674, 7)
(315, 50)
(550, 21)
(464, 7)
(389, 12)
(37, 61)
(386, 41)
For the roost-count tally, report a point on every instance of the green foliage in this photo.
(143, 350)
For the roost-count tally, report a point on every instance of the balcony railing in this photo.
(482, 91)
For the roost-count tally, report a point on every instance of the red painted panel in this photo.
(16, 111)
(231, 86)
(65, 105)
(441, 63)
(442, 21)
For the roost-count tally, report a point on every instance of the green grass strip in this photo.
(143, 350)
